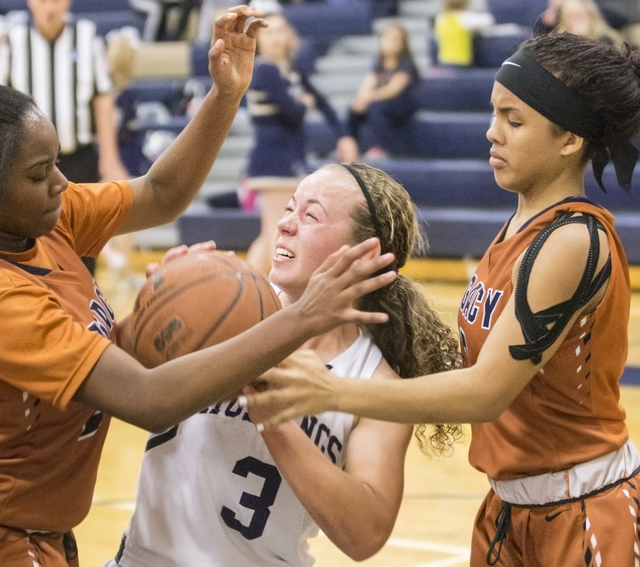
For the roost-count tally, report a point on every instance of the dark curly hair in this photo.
(414, 341)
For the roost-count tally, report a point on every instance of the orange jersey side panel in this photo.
(570, 411)
(55, 326)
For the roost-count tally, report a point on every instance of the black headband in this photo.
(549, 96)
(367, 196)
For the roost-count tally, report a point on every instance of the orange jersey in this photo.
(570, 411)
(55, 326)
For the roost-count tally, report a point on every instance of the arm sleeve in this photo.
(43, 350)
(267, 78)
(325, 107)
(93, 212)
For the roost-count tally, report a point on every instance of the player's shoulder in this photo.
(12, 280)
(573, 234)
(384, 372)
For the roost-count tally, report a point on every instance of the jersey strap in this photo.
(542, 329)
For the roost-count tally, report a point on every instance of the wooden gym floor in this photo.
(441, 493)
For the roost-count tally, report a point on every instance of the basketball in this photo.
(195, 301)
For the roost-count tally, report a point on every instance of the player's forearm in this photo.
(106, 134)
(457, 396)
(348, 511)
(186, 385)
(178, 174)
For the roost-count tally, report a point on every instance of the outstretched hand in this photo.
(345, 276)
(233, 49)
(300, 385)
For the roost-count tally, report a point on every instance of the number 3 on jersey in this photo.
(259, 504)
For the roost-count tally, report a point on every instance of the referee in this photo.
(62, 64)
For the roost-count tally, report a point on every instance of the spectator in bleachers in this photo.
(49, 45)
(582, 17)
(620, 16)
(384, 102)
(454, 28)
(624, 16)
(278, 99)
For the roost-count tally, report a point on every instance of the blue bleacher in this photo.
(108, 20)
(491, 50)
(460, 90)
(11, 5)
(522, 12)
(330, 19)
(100, 5)
(446, 172)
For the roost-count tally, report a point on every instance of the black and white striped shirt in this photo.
(63, 76)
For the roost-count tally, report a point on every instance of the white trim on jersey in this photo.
(62, 76)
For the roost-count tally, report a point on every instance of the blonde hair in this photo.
(414, 341)
(598, 27)
(449, 5)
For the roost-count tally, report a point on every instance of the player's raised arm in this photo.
(173, 180)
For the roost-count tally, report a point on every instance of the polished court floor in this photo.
(441, 493)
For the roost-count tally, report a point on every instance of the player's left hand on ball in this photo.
(178, 251)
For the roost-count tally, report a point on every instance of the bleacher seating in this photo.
(522, 12)
(329, 20)
(446, 171)
(458, 90)
(491, 46)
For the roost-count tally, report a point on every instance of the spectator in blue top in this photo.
(278, 99)
(384, 102)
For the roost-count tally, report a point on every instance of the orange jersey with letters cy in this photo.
(569, 412)
(55, 326)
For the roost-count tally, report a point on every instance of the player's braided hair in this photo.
(13, 107)
(414, 341)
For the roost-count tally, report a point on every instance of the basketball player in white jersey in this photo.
(214, 492)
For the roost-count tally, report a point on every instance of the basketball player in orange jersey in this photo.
(61, 376)
(543, 325)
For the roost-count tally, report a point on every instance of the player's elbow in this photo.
(362, 545)
(150, 420)
(365, 550)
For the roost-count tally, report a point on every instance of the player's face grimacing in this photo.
(30, 203)
(525, 152)
(316, 223)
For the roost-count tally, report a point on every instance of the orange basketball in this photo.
(195, 301)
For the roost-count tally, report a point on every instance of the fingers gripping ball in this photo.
(196, 301)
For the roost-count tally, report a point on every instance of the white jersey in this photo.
(210, 494)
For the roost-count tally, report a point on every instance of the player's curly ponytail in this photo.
(414, 341)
